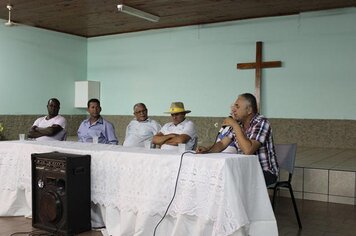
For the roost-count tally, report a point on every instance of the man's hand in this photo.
(160, 139)
(36, 132)
(201, 149)
(229, 121)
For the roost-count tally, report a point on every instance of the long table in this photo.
(217, 194)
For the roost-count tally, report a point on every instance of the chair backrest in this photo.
(286, 156)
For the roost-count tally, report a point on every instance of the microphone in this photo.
(224, 126)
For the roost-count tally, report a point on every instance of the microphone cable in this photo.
(175, 190)
(177, 178)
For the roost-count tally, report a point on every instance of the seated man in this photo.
(50, 127)
(96, 126)
(178, 131)
(250, 133)
(141, 128)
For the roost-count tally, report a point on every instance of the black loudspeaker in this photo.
(61, 192)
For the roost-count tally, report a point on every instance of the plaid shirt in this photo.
(261, 131)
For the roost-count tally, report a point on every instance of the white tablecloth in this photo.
(217, 194)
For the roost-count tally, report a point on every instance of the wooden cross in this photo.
(258, 65)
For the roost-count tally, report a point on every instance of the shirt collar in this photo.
(181, 123)
(47, 117)
(145, 121)
(99, 121)
(253, 119)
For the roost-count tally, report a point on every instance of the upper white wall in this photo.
(197, 65)
(36, 65)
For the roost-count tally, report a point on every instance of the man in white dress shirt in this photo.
(141, 128)
(180, 130)
(50, 127)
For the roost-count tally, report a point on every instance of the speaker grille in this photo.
(50, 208)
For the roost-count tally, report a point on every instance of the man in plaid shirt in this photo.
(250, 133)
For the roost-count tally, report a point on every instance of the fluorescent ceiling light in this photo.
(137, 13)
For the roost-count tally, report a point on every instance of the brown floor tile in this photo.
(318, 218)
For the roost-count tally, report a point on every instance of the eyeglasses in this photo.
(142, 111)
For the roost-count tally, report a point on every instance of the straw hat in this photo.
(177, 107)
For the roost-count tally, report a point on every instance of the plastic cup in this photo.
(21, 137)
(95, 139)
(147, 144)
(181, 147)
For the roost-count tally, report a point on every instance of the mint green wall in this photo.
(189, 64)
(36, 65)
(197, 65)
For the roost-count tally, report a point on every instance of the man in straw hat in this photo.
(180, 130)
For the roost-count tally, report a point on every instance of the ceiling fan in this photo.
(9, 22)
